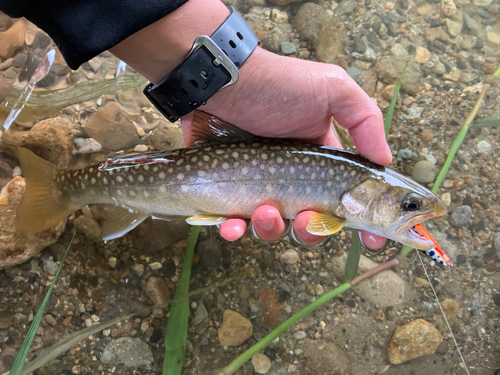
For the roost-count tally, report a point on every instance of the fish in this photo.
(436, 252)
(228, 173)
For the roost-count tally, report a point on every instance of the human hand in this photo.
(284, 97)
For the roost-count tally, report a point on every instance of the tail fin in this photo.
(42, 205)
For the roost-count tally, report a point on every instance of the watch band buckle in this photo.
(220, 57)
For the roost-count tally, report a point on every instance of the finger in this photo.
(268, 223)
(371, 240)
(233, 229)
(354, 110)
(299, 226)
(330, 139)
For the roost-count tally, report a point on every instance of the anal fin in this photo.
(323, 224)
(206, 219)
(120, 220)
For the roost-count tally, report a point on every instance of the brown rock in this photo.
(436, 33)
(328, 41)
(15, 248)
(413, 340)
(165, 138)
(323, 357)
(426, 136)
(388, 92)
(157, 290)
(272, 309)
(12, 39)
(112, 128)
(235, 329)
(5, 21)
(308, 20)
(450, 308)
(51, 139)
(422, 55)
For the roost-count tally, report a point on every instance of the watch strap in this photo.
(212, 64)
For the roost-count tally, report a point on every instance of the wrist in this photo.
(160, 47)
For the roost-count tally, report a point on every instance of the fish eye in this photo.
(411, 202)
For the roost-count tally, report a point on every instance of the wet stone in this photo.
(483, 146)
(50, 266)
(289, 257)
(461, 216)
(497, 245)
(261, 363)
(157, 290)
(308, 20)
(288, 48)
(273, 39)
(461, 259)
(496, 299)
(413, 340)
(131, 352)
(354, 73)
(299, 335)
(235, 329)
(424, 172)
(200, 315)
(323, 357)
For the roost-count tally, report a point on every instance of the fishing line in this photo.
(444, 315)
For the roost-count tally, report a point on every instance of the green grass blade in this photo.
(17, 368)
(351, 265)
(487, 122)
(177, 326)
(245, 356)
(390, 110)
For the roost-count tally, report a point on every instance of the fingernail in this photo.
(267, 224)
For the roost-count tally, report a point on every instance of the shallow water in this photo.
(457, 47)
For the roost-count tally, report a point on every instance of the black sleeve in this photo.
(84, 28)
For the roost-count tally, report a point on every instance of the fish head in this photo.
(390, 205)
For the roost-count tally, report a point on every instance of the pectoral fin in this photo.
(206, 219)
(323, 224)
(119, 221)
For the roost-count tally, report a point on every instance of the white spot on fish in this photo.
(110, 172)
(146, 194)
(292, 169)
(279, 159)
(140, 178)
(191, 151)
(163, 189)
(119, 179)
(86, 177)
(104, 180)
(201, 173)
(92, 180)
(98, 174)
(170, 170)
(161, 175)
(272, 170)
(151, 179)
(269, 188)
(137, 166)
(214, 163)
(206, 157)
(180, 176)
(246, 157)
(155, 169)
(257, 176)
(225, 165)
(91, 170)
(308, 190)
(126, 169)
(244, 170)
(146, 167)
(235, 154)
(342, 167)
(329, 184)
(319, 189)
(252, 151)
(322, 163)
(254, 162)
(131, 193)
(131, 178)
(306, 159)
(180, 161)
(263, 156)
(188, 167)
(193, 159)
(219, 152)
(207, 149)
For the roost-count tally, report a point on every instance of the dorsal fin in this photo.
(209, 129)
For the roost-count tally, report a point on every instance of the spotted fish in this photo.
(229, 173)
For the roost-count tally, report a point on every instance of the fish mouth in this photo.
(407, 235)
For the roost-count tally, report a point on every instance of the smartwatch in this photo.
(211, 64)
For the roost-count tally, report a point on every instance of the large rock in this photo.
(323, 357)
(328, 41)
(51, 139)
(389, 70)
(129, 351)
(413, 340)
(112, 128)
(386, 288)
(16, 248)
(235, 329)
(12, 39)
(308, 20)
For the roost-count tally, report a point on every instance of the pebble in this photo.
(299, 335)
(454, 27)
(328, 41)
(415, 112)
(87, 145)
(424, 172)
(399, 51)
(319, 289)
(422, 55)
(426, 136)
(261, 363)
(138, 269)
(112, 262)
(204, 341)
(288, 48)
(200, 315)
(354, 73)
(483, 146)
(496, 299)
(413, 340)
(461, 259)
(404, 153)
(88, 226)
(420, 283)
(308, 20)
(50, 320)
(50, 266)
(390, 69)
(289, 257)
(155, 266)
(129, 351)
(461, 216)
(439, 69)
(446, 198)
(141, 148)
(324, 357)
(157, 290)
(451, 308)
(235, 329)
